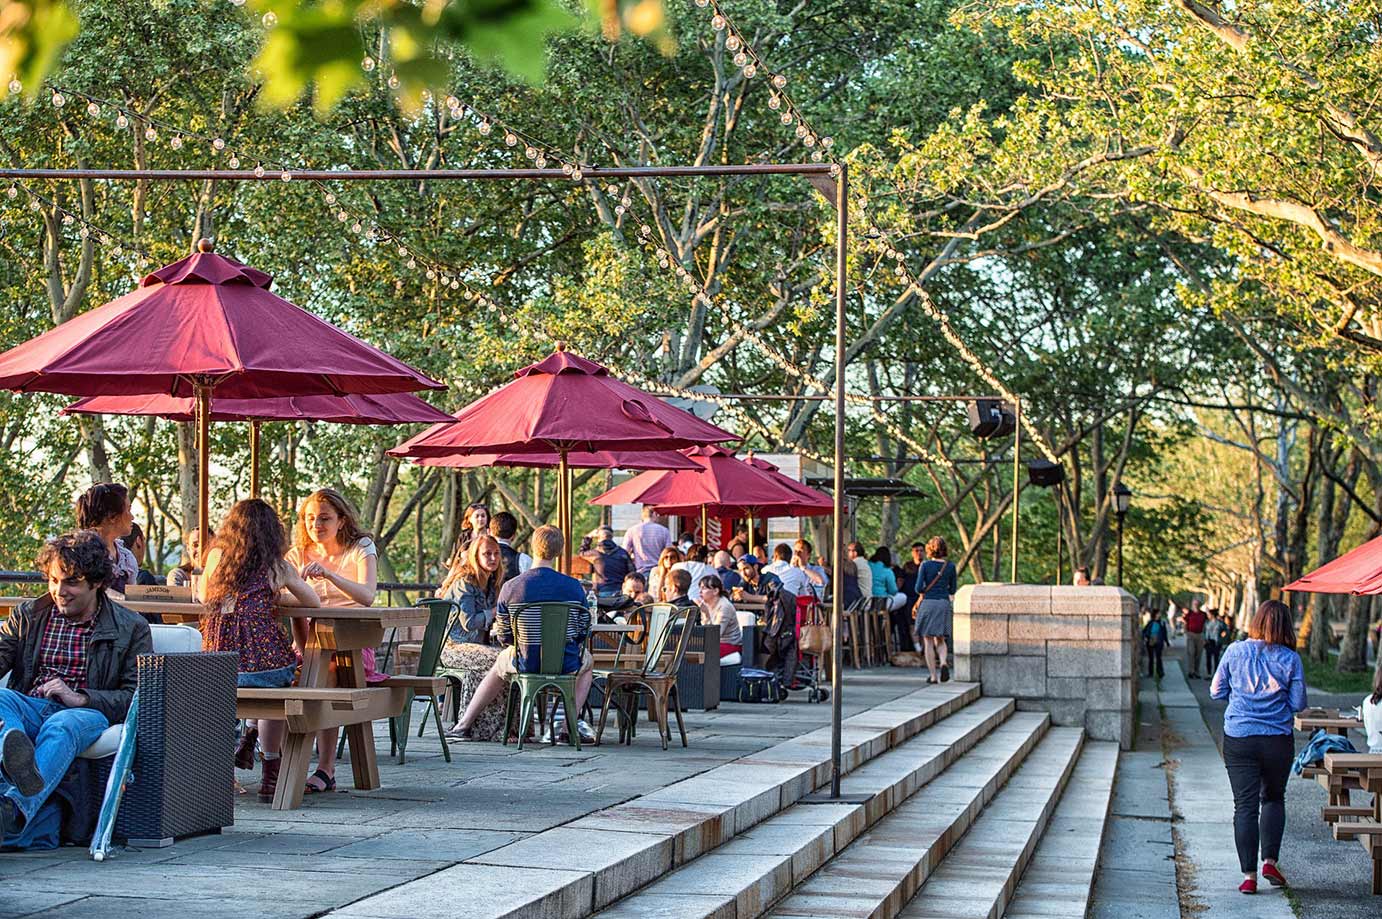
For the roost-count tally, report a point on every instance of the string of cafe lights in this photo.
(85, 229)
(750, 62)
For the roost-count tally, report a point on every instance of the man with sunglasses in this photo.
(71, 657)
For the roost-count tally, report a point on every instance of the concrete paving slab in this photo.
(621, 862)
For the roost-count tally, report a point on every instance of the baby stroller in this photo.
(814, 644)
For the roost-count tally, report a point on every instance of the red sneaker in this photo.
(1248, 886)
(1273, 876)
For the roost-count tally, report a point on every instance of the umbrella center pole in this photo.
(202, 395)
(254, 459)
(564, 514)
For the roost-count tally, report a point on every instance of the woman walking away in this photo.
(1264, 682)
(245, 572)
(936, 584)
(474, 584)
(339, 560)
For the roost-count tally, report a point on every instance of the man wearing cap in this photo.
(758, 584)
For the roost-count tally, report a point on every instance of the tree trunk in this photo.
(1353, 651)
(187, 477)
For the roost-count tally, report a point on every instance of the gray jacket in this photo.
(475, 616)
(112, 671)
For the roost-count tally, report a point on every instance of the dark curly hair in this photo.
(81, 553)
(252, 544)
(99, 503)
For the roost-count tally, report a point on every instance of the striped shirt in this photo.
(540, 585)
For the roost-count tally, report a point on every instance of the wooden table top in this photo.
(1327, 718)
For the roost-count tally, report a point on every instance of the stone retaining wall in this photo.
(1065, 650)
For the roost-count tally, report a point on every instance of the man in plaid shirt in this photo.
(71, 659)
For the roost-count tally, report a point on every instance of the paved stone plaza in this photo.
(429, 815)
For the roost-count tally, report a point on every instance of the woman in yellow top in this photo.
(339, 560)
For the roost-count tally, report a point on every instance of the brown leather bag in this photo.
(816, 639)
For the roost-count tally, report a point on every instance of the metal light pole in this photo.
(1122, 499)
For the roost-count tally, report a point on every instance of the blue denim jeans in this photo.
(58, 733)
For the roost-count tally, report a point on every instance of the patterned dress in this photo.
(245, 622)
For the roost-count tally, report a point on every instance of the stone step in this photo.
(881, 870)
(756, 868)
(979, 875)
(582, 866)
(1060, 877)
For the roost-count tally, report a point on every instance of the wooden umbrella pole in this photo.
(202, 394)
(705, 529)
(254, 459)
(751, 552)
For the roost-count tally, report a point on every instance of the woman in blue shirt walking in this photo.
(1264, 682)
(936, 587)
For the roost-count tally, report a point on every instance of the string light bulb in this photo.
(59, 100)
(732, 43)
(779, 80)
(750, 70)
(12, 192)
(540, 162)
(175, 142)
(717, 22)
(393, 81)
(16, 87)
(150, 133)
(774, 101)
(740, 59)
(367, 64)
(484, 127)
(218, 144)
(259, 170)
(270, 19)
(121, 121)
(233, 162)
(93, 110)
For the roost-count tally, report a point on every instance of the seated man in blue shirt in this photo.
(542, 583)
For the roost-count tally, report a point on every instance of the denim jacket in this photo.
(476, 615)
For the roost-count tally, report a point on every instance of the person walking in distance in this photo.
(1193, 621)
(1264, 682)
(1215, 637)
(1154, 638)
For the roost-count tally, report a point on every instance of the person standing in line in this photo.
(1264, 682)
(1193, 621)
(936, 585)
(645, 541)
(1154, 639)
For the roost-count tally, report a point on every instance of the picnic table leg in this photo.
(364, 762)
(292, 772)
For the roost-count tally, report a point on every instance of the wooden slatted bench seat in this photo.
(1357, 770)
(312, 709)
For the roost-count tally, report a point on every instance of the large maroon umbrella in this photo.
(726, 487)
(201, 325)
(563, 404)
(390, 408)
(603, 459)
(1355, 572)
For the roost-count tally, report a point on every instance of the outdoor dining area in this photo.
(222, 347)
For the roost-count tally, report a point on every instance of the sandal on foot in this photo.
(328, 783)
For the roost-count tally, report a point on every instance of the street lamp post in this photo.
(1122, 498)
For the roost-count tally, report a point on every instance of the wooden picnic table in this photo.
(1364, 771)
(332, 660)
(1312, 719)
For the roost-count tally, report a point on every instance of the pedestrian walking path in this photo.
(1196, 813)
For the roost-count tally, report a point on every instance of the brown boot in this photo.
(268, 784)
(244, 750)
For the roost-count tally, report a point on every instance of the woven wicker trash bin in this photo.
(183, 780)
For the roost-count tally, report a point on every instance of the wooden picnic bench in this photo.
(1362, 770)
(331, 690)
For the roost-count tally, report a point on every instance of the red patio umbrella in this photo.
(814, 503)
(390, 408)
(1355, 572)
(563, 404)
(603, 459)
(727, 486)
(203, 324)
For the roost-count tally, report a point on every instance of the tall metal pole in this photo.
(254, 461)
(564, 510)
(1120, 550)
(1017, 480)
(1060, 525)
(838, 527)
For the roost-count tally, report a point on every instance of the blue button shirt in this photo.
(1264, 684)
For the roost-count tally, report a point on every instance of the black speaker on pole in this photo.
(1045, 474)
(991, 418)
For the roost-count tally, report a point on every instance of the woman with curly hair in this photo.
(473, 583)
(244, 575)
(333, 553)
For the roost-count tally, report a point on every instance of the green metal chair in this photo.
(527, 687)
(440, 614)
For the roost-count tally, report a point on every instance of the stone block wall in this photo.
(1065, 650)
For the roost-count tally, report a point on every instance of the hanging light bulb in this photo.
(342, 216)
(740, 59)
(452, 102)
(121, 121)
(84, 232)
(151, 133)
(412, 263)
(259, 170)
(786, 117)
(286, 176)
(330, 197)
(175, 142)
(809, 140)
(270, 19)
(779, 80)
(431, 275)
(511, 139)
(16, 87)
(530, 152)
(117, 251)
(619, 210)
(827, 142)
(750, 70)
(732, 43)
(33, 204)
(717, 22)
(67, 220)
(566, 168)
(540, 162)
(367, 64)
(93, 110)
(59, 100)
(233, 162)
(484, 127)
(817, 156)
(576, 174)
(702, 3)
(801, 130)
(12, 192)
(393, 81)
(357, 227)
(774, 102)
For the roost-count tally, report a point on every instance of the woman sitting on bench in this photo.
(245, 574)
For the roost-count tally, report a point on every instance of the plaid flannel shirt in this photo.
(63, 653)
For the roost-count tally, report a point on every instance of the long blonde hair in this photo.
(467, 567)
(350, 531)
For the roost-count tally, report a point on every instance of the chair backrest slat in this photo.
(556, 618)
(440, 614)
(681, 622)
